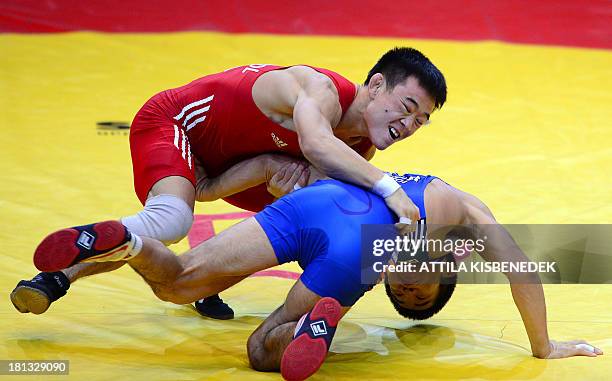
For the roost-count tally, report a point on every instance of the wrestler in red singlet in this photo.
(215, 119)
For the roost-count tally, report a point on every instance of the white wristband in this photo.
(386, 186)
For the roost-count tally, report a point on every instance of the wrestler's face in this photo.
(415, 291)
(394, 114)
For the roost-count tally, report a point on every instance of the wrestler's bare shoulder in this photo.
(276, 92)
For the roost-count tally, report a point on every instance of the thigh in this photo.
(160, 151)
(177, 186)
(238, 251)
(300, 300)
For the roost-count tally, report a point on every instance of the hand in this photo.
(286, 178)
(563, 349)
(402, 206)
(315, 175)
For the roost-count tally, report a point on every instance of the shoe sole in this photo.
(59, 250)
(216, 317)
(28, 299)
(304, 355)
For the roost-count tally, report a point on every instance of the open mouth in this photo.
(393, 133)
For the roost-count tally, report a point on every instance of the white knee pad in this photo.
(165, 217)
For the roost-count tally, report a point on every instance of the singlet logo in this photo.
(254, 68)
(405, 178)
(279, 143)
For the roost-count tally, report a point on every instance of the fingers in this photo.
(290, 169)
(583, 345)
(286, 178)
(576, 342)
(573, 348)
(408, 222)
(413, 212)
(416, 214)
(280, 174)
(403, 206)
(295, 176)
(405, 229)
(582, 351)
(303, 181)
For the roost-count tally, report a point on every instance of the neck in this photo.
(353, 123)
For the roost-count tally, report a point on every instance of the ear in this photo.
(376, 85)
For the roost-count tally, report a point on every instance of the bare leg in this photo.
(173, 185)
(268, 342)
(81, 270)
(36, 295)
(266, 355)
(209, 268)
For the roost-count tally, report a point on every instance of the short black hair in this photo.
(446, 291)
(400, 63)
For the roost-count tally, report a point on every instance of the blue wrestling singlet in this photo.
(320, 227)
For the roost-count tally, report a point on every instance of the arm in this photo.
(526, 288)
(315, 107)
(244, 175)
(315, 110)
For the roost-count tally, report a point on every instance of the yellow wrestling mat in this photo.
(525, 128)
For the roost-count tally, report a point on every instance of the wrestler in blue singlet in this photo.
(320, 228)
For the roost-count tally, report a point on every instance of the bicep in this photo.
(310, 123)
(317, 108)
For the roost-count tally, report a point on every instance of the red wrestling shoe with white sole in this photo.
(100, 242)
(312, 338)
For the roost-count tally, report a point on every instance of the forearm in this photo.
(526, 287)
(334, 158)
(244, 175)
(529, 299)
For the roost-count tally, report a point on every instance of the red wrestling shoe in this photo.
(312, 338)
(100, 242)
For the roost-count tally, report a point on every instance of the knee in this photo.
(166, 218)
(256, 353)
(170, 294)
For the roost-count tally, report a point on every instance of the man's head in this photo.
(419, 296)
(404, 89)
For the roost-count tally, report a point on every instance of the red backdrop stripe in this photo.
(557, 22)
